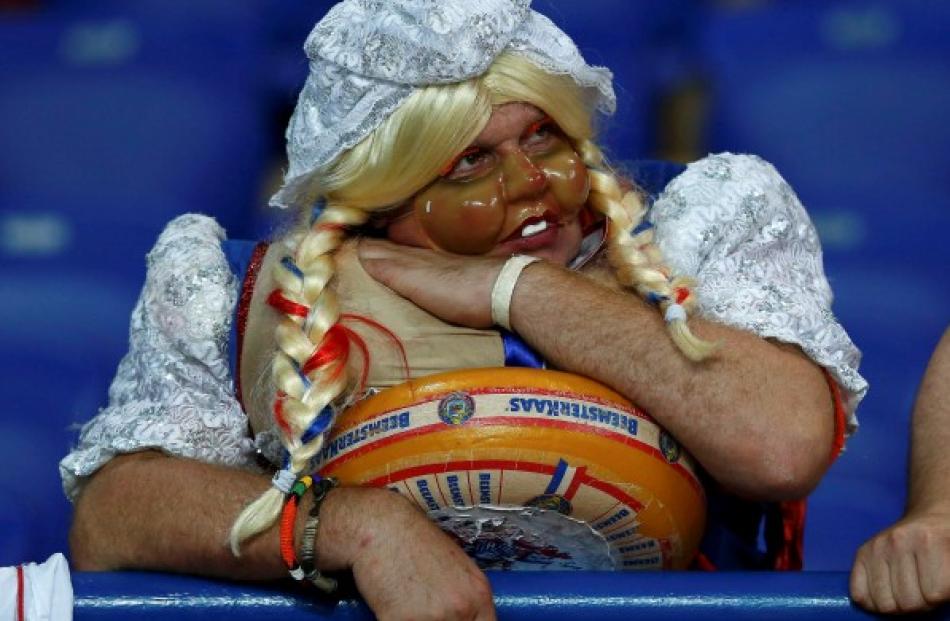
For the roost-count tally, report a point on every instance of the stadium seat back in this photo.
(847, 99)
(118, 106)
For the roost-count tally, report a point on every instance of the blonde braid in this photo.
(636, 260)
(305, 396)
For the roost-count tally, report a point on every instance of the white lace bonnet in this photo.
(368, 56)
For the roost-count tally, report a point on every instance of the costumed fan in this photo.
(457, 216)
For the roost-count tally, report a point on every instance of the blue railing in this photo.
(525, 596)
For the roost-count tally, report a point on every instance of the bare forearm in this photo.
(149, 511)
(930, 461)
(758, 416)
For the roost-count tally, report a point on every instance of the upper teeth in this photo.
(533, 229)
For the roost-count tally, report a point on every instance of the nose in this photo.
(521, 177)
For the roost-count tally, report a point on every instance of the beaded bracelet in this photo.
(288, 518)
(308, 561)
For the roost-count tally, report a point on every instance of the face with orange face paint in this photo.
(518, 189)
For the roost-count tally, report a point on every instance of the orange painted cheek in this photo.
(464, 218)
(568, 179)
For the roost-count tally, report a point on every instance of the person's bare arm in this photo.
(930, 460)
(120, 521)
(906, 568)
(758, 416)
(150, 511)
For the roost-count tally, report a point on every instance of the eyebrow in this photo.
(532, 125)
(477, 145)
(455, 160)
(535, 126)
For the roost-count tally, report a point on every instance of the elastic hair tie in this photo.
(674, 312)
(656, 298)
(284, 480)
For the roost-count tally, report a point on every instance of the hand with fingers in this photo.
(455, 288)
(408, 569)
(905, 568)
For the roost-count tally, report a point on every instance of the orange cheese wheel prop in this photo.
(528, 469)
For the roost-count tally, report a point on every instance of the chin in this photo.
(564, 248)
(558, 256)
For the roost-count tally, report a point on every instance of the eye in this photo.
(540, 132)
(466, 163)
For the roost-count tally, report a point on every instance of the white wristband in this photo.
(504, 288)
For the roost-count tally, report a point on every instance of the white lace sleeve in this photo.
(734, 224)
(173, 389)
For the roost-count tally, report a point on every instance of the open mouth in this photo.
(529, 230)
(533, 226)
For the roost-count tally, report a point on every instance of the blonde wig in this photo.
(398, 159)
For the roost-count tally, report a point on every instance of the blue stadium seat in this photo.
(63, 328)
(118, 108)
(286, 24)
(46, 395)
(69, 279)
(239, 13)
(119, 120)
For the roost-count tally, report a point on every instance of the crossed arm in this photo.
(149, 511)
(758, 416)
